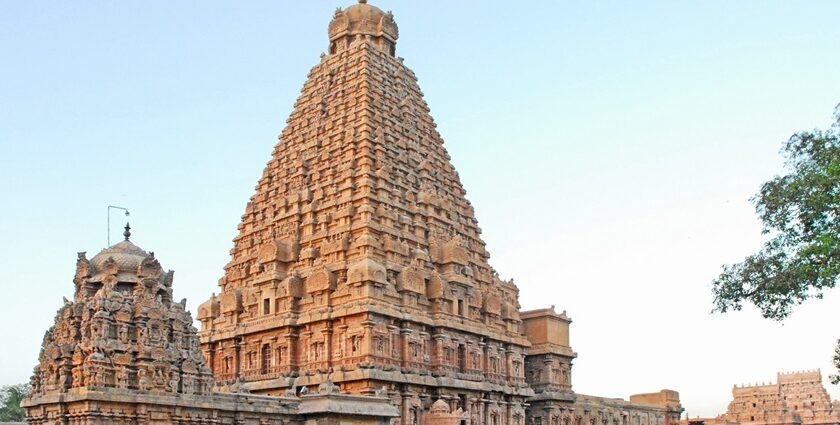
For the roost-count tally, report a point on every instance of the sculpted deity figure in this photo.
(155, 333)
(53, 375)
(64, 380)
(95, 328)
(194, 346)
(380, 344)
(142, 336)
(177, 340)
(123, 333)
(77, 377)
(144, 381)
(122, 377)
(173, 381)
(93, 376)
(159, 380)
(188, 385)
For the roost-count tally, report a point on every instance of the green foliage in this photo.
(10, 398)
(800, 212)
(835, 379)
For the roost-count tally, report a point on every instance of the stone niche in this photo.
(440, 414)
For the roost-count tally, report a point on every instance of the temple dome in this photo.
(126, 255)
(363, 19)
(122, 259)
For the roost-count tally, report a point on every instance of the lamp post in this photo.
(110, 207)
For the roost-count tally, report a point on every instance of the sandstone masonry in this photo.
(359, 290)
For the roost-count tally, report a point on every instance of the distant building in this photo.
(797, 398)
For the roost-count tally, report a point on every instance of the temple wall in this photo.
(130, 408)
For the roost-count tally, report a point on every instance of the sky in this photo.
(609, 148)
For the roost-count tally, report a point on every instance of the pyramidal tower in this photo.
(359, 259)
(359, 265)
(358, 291)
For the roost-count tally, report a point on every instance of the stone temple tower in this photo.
(359, 259)
(359, 263)
(358, 292)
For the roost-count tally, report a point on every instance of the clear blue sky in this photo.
(609, 148)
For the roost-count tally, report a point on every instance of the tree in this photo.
(10, 398)
(800, 212)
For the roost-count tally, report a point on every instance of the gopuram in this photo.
(797, 398)
(359, 290)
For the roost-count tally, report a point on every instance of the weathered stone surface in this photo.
(358, 281)
(122, 331)
(361, 208)
(393, 269)
(396, 285)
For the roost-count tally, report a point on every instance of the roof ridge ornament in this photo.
(127, 232)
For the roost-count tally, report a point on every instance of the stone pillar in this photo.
(328, 343)
(341, 351)
(394, 342)
(405, 408)
(236, 358)
(406, 349)
(438, 360)
(367, 345)
(508, 361)
(211, 357)
(424, 342)
(290, 349)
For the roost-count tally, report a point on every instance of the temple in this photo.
(358, 289)
(359, 260)
(797, 398)
(121, 352)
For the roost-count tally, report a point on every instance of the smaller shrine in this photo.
(122, 331)
(122, 352)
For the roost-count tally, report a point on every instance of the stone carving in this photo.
(322, 280)
(122, 352)
(121, 288)
(413, 279)
(359, 253)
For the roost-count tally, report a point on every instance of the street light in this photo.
(109, 220)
